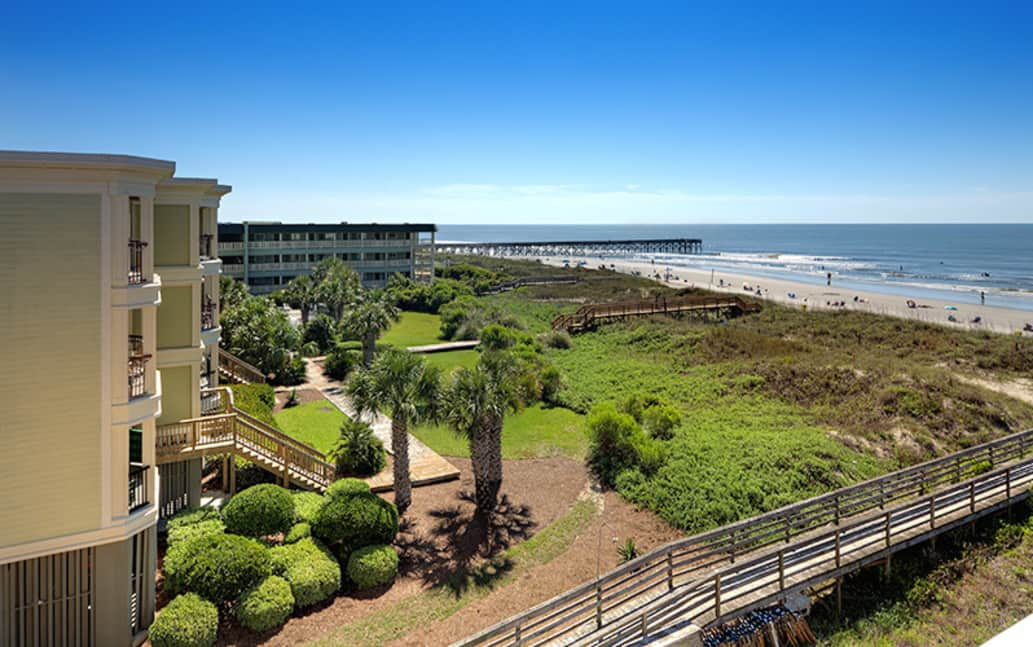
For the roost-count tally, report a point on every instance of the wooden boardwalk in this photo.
(588, 316)
(720, 574)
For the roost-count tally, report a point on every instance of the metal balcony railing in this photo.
(205, 250)
(136, 276)
(137, 368)
(208, 320)
(139, 486)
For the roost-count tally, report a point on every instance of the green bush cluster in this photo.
(617, 443)
(560, 339)
(341, 361)
(464, 318)
(320, 331)
(306, 505)
(186, 621)
(358, 450)
(184, 532)
(310, 569)
(372, 566)
(347, 523)
(266, 605)
(423, 297)
(657, 416)
(256, 400)
(217, 567)
(476, 277)
(298, 532)
(259, 511)
(347, 487)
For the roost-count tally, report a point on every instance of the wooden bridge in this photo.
(576, 247)
(587, 316)
(228, 430)
(712, 577)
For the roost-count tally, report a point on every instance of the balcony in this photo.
(205, 250)
(208, 320)
(139, 486)
(136, 275)
(137, 368)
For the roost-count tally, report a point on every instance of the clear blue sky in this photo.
(554, 112)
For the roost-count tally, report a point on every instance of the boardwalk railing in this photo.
(636, 584)
(531, 280)
(238, 370)
(234, 431)
(587, 315)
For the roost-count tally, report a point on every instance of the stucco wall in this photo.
(176, 394)
(172, 234)
(50, 329)
(175, 316)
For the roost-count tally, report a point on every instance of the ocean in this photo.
(944, 261)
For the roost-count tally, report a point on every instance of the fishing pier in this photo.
(576, 247)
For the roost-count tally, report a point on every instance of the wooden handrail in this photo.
(587, 314)
(684, 558)
(239, 368)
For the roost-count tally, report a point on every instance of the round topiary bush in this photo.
(184, 532)
(311, 570)
(351, 522)
(306, 505)
(372, 566)
(298, 532)
(347, 487)
(187, 621)
(265, 605)
(259, 511)
(217, 567)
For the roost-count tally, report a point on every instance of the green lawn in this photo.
(453, 359)
(534, 432)
(414, 329)
(315, 423)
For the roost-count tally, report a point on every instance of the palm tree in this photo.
(336, 284)
(400, 385)
(369, 317)
(301, 293)
(475, 404)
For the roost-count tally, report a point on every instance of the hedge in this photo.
(259, 511)
(217, 567)
(266, 605)
(190, 516)
(186, 621)
(372, 566)
(351, 522)
(347, 487)
(184, 532)
(306, 505)
(298, 532)
(310, 569)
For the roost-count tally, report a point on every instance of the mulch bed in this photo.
(305, 394)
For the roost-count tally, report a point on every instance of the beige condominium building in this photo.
(109, 323)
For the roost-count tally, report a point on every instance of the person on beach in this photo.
(828, 279)
(982, 298)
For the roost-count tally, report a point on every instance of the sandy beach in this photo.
(806, 295)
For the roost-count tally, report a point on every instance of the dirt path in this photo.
(1020, 389)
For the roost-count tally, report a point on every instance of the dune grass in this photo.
(414, 329)
(535, 432)
(315, 423)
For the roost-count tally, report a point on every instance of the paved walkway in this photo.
(444, 346)
(425, 465)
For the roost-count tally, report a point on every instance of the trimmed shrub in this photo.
(358, 450)
(186, 621)
(341, 361)
(351, 522)
(265, 605)
(217, 567)
(256, 400)
(185, 532)
(298, 532)
(310, 569)
(259, 511)
(660, 420)
(190, 516)
(306, 505)
(347, 487)
(309, 349)
(372, 566)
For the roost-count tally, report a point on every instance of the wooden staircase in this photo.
(237, 371)
(228, 430)
(589, 315)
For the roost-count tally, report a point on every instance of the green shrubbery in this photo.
(266, 605)
(660, 420)
(216, 567)
(617, 443)
(423, 297)
(342, 360)
(358, 450)
(313, 573)
(372, 566)
(306, 505)
(347, 523)
(186, 621)
(259, 511)
(347, 487)
(185, 532)
(321, 330)
(256, 400)
(298, 532)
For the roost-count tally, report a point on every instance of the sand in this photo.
(993, 318)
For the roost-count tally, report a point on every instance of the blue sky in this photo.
(554, 112)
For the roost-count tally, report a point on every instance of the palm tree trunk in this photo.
(400, 448)
(369, 345)
(304, 315)
(486, 459)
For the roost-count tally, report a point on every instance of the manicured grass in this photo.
(443, 600)
(315, 423)
(414, 329)
(451, 360)
(534, 432)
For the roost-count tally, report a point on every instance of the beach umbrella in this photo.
(950, 308)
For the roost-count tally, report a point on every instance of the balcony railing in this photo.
(139, 486)
(136, 276)
(206, 246)
(208, 314)
(137, 370)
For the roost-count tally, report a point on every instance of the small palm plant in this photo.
(369, 318)
(628, 550)
(358, 451)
